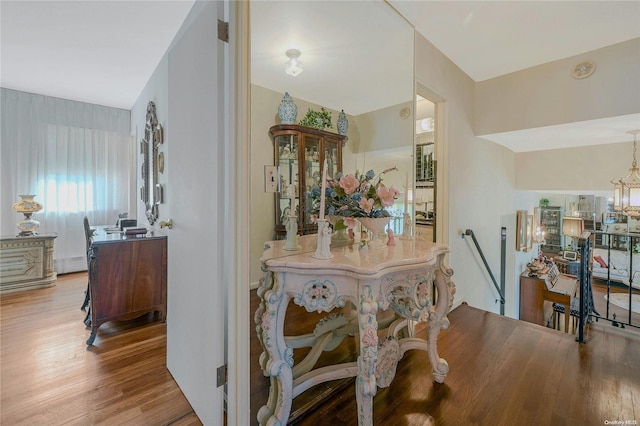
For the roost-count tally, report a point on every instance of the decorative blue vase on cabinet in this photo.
(288, 111)
(343, 123)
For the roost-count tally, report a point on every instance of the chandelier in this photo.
(626, 189)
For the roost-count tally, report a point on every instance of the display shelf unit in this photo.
(551, 224)
(425, 164)
(299, 155)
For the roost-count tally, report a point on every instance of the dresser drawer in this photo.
(21, 263)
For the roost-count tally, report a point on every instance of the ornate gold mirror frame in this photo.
(151, 192)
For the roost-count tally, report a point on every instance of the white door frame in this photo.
(238, 155)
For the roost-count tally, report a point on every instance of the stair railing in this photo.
(587, 307)
(499, 289)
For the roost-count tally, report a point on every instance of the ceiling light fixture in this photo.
(294, 66)
(425, 125)
(626, 190)
(583, 70)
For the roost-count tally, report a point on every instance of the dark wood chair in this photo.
(88, 233)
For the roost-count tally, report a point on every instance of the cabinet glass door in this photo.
(313, 167)
(287, 161)
(331, 154)
(551, 224)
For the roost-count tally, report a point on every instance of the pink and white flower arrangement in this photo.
(354, 195)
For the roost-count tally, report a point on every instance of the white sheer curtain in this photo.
(78, 158)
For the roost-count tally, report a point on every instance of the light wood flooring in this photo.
(48, 376)
(502, 372)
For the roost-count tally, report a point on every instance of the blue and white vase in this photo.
(288, 111)
(343, 123)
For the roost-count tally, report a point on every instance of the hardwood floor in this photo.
(502, 372)
(615, 312)
(49, 376)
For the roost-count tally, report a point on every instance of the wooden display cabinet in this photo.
(551, 224)
(299, 155)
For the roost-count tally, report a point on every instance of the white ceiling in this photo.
(359, 65)
(487, 39)
(100, 52)
(103, 52)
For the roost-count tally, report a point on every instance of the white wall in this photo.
(384, 128)
(589, 168)
(547, 94)
(480, 178)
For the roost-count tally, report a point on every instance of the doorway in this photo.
(425, 169)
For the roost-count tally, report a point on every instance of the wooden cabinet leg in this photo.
(94, 331)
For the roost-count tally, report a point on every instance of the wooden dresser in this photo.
(26, 262)
(127, 277)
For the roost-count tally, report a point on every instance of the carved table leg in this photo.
(438, 320)
(276, 359)
(366, 379)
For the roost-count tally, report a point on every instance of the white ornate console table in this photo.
(399, 277)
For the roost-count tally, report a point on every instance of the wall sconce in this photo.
(294, 66)
(524, 240)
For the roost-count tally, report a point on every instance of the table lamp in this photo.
(572, 227)
(27, 206)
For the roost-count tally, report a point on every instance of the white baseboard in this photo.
(73, 264)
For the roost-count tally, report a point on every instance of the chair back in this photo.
(87, 234)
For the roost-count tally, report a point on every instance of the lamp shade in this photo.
(27, 205)
(572, 226)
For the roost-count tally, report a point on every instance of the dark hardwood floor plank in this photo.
(502, 372)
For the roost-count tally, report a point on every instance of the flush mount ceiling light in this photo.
(583, 70)
(626, 190)
(294, 66)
